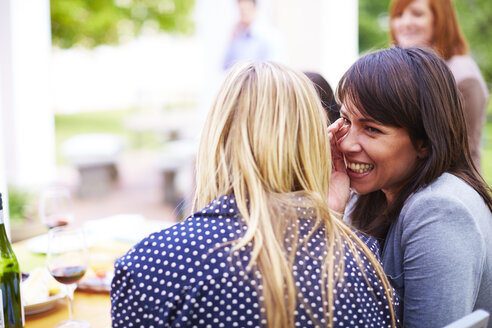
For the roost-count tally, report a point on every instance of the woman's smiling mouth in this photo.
(359, 167)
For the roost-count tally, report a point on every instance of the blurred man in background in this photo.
(251, 40)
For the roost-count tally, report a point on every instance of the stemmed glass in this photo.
(67, 260)
(55, 207)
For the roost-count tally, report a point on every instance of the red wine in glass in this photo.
(69, 274)
(54, 222)
(67, 260)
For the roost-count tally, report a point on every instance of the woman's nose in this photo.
(350, 143)
(406, 19)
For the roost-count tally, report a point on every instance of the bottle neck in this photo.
(4, 240)
(3, 231)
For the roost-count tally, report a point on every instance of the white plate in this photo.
(43, 306)
(123, 227)
(39, 244)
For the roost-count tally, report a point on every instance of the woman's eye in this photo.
(372, 130)
(345, 121)
(417, 13)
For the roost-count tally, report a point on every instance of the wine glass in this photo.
(67, 260)
(55, 207)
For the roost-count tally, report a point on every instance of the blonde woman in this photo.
(264, 249)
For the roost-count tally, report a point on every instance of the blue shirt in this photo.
(256, 43)
(188, 276)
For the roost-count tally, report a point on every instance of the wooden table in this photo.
(92, 307)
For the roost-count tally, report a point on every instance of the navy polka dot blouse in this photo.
(188, 276)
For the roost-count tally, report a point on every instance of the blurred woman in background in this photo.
(433, 23)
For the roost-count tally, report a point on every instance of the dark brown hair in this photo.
(448, 39)
(413, 89)
(326, 95)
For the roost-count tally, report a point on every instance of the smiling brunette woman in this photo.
(415, 188)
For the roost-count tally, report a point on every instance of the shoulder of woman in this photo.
(197, 238)
(464, 67)
(371, 242)
(447, 199)
(448, 186)
(459, 61)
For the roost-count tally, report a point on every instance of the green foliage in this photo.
(473, 15)
(373, 32)
(19, 201)
(90, 23)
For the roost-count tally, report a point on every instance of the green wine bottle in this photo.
(12, 312)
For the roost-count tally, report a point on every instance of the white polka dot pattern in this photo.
(187, 276)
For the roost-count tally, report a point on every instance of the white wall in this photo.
(322, 35)
(341, 34)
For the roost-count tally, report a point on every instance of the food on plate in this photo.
(96, 281)
(39, 286)
(101, 265)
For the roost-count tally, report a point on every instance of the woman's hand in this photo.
(339, 192)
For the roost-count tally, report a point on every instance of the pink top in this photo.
(474, 95)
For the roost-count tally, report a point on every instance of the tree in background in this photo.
(473, 15)
(89, 23)
(373, 25)
(475, 20)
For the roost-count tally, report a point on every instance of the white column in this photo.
(3, 184)
(27, 114)
(4, 59)
(214, 23)
(322, 35)
(340, 46)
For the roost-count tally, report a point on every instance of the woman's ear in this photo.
(422, 149)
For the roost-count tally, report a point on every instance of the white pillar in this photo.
(25, 87)
(4, 55)
(322, 35)
(340, 46)
(3, 182)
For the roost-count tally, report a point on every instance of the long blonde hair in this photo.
(265, 142)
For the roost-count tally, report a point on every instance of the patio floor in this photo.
(138, 190)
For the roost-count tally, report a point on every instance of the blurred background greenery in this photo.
(90, 23)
